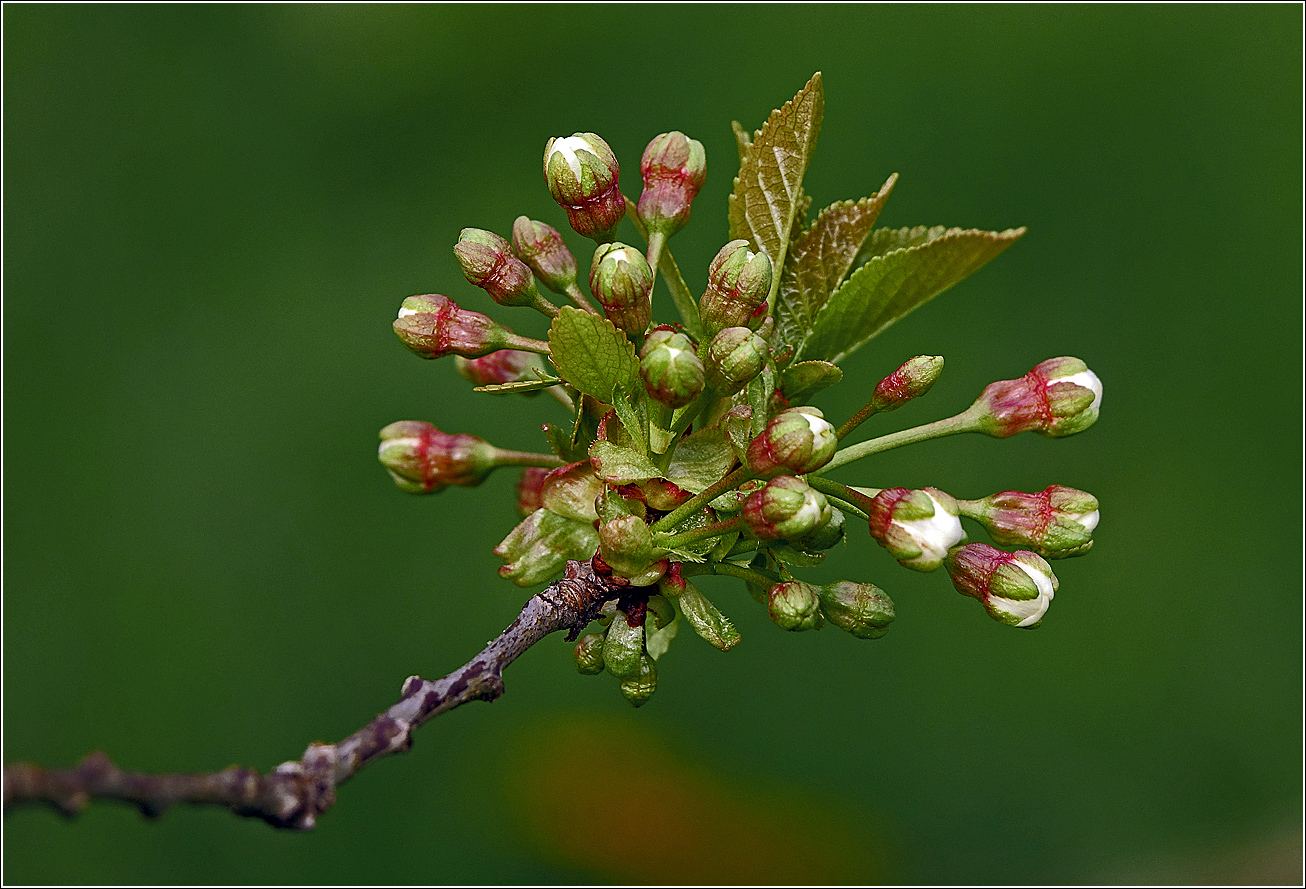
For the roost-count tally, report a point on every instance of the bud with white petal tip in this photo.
(423, 460)
(542, 248)
(672, 372)
(861, 609)
(434, 326)
(488, 262)
(796, 441)
(1059, 397)
(795, 606)
(786, 508)
(582, 172)
(622, 282)
(733, 358)
(1015, 588)
(1057, 522)
(738, 282)
(674, 168)
(916, 527)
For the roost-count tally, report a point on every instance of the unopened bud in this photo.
(912, 380)
(796, 441)
(622, 282)
(672, 371)
(541, 247)
(916, 527)
(795, 605)
(434, 326)
(640, 687)
(502, 366)
(734, 357)
(862, 609)
(423, 460)
(1059, 397)
(626, 544)
(786, 508)
(528, 489)
(488, 262)
(623, 648)
(582, 172)
(1015, 588)
(589, 654)
(826, 535)
(674, 168)
(738, 282)
(1055, 523)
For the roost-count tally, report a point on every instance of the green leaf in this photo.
(701, 460)
(657, 640)
(791, 556)
(819, 258)
(541, 544)
(891, 284)
(621, 466)
(799, 382)
(592, 354)
(703, 616)
(520, 386)
(768, 194)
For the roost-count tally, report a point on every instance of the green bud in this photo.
(795, 605)
(738, 282)
(672, 371)
(824, 536)
(623, 648)
(582, 172)
(423, 460)
(539, 547)
(796, 441)
(640, 687)
(1059, 397)
(589, 654)
(434, 326)
(541, 247)
(622, 282)
(912, 380)
(488, 262)
(860, 608)
(786, 508)
(734, 357)
(674, 168)
(626, 544)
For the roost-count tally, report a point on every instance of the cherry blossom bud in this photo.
(796, 441)
(912, 380)
(1059, 397)
(488, 262)
(826, 535)
(622, 282)
(1055, 523)
(916, 527)
(623, 648)
(738, 281)
(674, 168)
(795, 605)
(734, 357)
(541, 247)
(503, 366)
(860, 608)
(528, 489)
(672, 371)
(637, 689)
(626, 544)
(1015, 588)
(786, 508)
(582, 174)
(589, 654)
(423, 460)
(434, 326)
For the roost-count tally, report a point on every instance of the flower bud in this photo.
(1055, 523)
(786, 508)
(738, 282)
(582, 174)
(622, 282)
(1015, 588)
(488, 262)
(672, 371)
(640, 687)
(626, 544)
(916, 527)
(826, 535)
(1059, 397)
(541, 247)
(528, 489)
(734, 357)
(912, 380)
(796, 441)
(589, 654)
(423, 460)
(502, 366)
(860, 608)
(434, 326)
(795, 605)
(623, 647)
(674, 168)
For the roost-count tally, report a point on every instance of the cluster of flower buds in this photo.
(786, 508)
(1055, 523)
(674, 168)
(434, 326)
(672, 372)
(1059, 397)
(582, 174)
(1015, 588)
(622, 282)
(916, 527)
(738, 282)
(503, 366)
(488, 262)
(541, 247)
(423, 460)
(796, 441)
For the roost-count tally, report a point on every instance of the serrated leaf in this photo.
(886, 240)
(799, 382)
(891, 284)
(591, 354)
(768, 194)
(519, 387)
(701, 460)
(743, 141)
(703, 616)
(621, 466)
(819, 258)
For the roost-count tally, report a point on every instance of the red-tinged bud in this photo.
(912, 380)
(786, 508)
(795, 442)
(795, 606)
(674, 168)
(672, 371)
(589, 654)
(626, 544)
(1055, 523)
(423, 460)
(1059, 397)
(434, 326)
(528, 489)
(503, 366)
(656, 493)
(622, 282)
(862, 609)
(541, 247)
(738, 281)
(488, 262)
(582, 172)
(733, 358)
(916, 527)
(1015, 588)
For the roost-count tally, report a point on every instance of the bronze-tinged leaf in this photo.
(801, 381)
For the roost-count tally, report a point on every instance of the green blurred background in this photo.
(211, 215)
